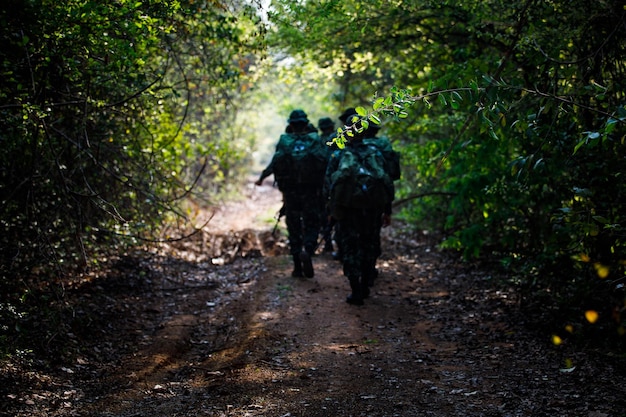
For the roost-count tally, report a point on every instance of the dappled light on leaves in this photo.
(602, 270)
(591, 316)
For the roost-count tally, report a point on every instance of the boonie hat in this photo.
(297, 116)
(325, 122)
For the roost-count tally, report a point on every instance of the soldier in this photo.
(359, 224)
(298, 165)
(392, 166)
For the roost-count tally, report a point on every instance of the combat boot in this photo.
(297, 267)
(356, 298)
(307, 264)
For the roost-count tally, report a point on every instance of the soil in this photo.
(214, 325)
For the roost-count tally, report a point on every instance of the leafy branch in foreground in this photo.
(396, 105)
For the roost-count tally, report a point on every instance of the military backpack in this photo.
(360, 180)
(300, 159)
(392, 157)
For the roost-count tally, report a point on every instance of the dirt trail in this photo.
(196, 331)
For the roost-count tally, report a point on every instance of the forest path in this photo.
(217, 327)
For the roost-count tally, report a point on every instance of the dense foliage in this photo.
(114, 113)
(111, 114)
(517, 152)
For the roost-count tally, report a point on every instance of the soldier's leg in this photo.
(294, 232)
(370, 241)
(327, 232)
(311, 227)
(352, 258)
(310, 221)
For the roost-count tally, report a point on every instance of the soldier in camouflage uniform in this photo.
(302, 217)
(392, 166)
(360, 228)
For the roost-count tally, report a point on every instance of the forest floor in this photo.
(215, 325)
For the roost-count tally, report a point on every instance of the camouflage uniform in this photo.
(384, 145)
(360, 228)
(361, 248)
(302, 217)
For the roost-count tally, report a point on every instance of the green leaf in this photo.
(601, 219)
(374, 118)
(378, 103)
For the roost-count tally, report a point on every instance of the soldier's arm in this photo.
(269, 170)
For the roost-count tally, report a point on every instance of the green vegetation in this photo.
(509, 115)
(112, 115)
(515, 151)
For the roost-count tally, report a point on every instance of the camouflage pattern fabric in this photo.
(360, 243)
(302, 218)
